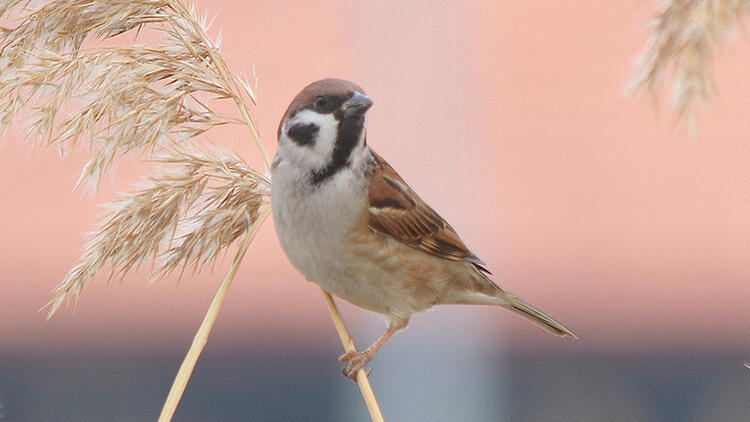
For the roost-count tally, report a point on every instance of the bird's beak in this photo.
(357, 105)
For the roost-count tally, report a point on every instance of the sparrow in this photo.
(348, 222)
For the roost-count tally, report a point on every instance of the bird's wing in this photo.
(396, 211)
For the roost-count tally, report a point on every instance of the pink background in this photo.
(508, 117)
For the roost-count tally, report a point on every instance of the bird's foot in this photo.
(357, 361)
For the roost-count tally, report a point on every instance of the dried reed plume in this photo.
(686, 35)
(148, 98)
(187, 214)
(115, 99)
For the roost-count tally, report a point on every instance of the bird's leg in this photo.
(358, 360)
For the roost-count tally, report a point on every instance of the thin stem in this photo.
(201, 337)
(246, 115)
(221, 66)
(364, 383)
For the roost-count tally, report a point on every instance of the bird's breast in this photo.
(313, 223)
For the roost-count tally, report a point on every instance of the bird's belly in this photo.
(369, 271)
(384, 276)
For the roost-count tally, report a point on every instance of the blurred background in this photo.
(509, 118)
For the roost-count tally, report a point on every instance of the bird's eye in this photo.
(321, 102)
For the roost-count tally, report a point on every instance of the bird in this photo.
(348, 222)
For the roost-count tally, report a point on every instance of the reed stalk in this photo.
(201, 337)
(362, 381)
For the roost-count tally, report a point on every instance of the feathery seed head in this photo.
(686, 35)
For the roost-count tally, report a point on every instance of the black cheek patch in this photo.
(303, 134)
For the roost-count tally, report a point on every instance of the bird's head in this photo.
(323, 126)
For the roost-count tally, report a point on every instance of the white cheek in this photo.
(310, 156)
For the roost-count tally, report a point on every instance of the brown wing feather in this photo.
(396, 211)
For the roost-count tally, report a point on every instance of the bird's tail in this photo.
(519, 306)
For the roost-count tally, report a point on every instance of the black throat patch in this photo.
(349, 131)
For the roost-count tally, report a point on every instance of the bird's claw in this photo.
(357, 361)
